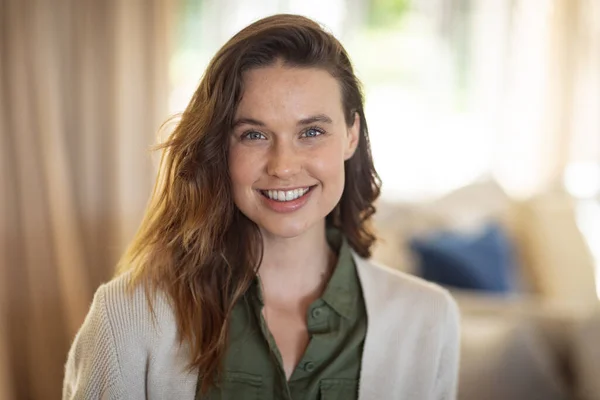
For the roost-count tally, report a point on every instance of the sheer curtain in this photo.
(83, 89)
(536, 78)
(507, 88)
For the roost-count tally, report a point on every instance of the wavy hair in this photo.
(194, 244)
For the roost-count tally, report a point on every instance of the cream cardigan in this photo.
(411, 349)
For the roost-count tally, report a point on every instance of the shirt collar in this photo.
(343, 289)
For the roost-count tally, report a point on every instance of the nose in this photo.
(284, 161)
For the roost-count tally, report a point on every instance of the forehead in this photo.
(282, 91)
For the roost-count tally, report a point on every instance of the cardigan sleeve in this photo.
(92, 370)
(446, 387)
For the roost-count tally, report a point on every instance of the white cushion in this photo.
(554, 250)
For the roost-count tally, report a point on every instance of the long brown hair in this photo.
(194, 244)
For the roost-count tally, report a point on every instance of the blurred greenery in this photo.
(383, 13)
(379, 56)
(188, 27)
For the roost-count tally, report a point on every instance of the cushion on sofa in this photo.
(481, 260)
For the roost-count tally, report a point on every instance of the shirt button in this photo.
(316, 313)
(309, 367)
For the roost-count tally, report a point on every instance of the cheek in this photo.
(243, 167)
(329, 168)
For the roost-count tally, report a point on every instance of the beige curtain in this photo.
(83, 90)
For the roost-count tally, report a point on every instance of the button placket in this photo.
(309, 366)
(317, 312)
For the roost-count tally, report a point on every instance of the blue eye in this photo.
(253, 135)
(312, 132)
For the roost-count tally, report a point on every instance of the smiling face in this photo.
(287, 149)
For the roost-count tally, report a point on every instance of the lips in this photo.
(298, 198)
(285, 195)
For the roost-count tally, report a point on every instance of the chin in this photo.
(285, 229)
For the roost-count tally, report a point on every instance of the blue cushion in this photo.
(481, 261)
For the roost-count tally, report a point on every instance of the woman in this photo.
(248, 277)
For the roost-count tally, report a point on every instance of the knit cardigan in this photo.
(411, 348)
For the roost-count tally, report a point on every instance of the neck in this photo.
(296, 268)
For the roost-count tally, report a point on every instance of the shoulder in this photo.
(413, 325)
(395, 291)
(127, 347)
(133, 313)
(119, 343)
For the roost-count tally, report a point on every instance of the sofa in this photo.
(541, 340)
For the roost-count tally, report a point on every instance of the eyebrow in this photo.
(305, 121)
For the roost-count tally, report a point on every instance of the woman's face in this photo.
(288, 147)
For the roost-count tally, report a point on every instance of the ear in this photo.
(352, 137)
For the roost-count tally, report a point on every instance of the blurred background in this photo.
(484, 117)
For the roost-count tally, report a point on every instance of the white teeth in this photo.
(281, 195)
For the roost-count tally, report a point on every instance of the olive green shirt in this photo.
(330, 366)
